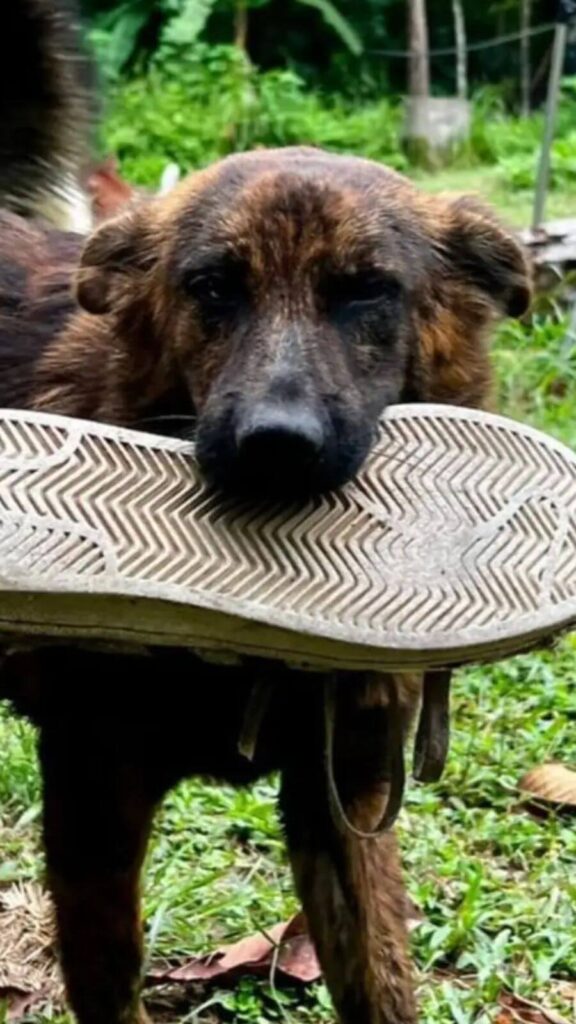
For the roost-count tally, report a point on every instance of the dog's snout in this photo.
(282, 449)
(280, 440)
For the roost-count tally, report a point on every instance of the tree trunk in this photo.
(241, 25)
(461, 55)
(524, 58)
(419, 60)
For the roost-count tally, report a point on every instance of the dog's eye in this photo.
(362, 288)
(215, 290)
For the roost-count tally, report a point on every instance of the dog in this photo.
(270, 306)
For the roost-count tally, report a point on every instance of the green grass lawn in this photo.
(497, 887)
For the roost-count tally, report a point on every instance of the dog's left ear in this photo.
(486, 255)
(113, 257)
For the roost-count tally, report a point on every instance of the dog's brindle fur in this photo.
(284, 298)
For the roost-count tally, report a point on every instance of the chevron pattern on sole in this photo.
(456, 542)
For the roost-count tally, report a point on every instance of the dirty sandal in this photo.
(457, 542)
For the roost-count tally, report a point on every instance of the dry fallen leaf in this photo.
(550, 787)
(287, 945)
(29, 975)
(30, 978)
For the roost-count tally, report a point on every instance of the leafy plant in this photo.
(118, 31)
(193, 107)
(336, 21)
(536, 365)
(186, 21)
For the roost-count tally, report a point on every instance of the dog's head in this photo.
(296, 294)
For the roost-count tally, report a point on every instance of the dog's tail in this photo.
(47, 111)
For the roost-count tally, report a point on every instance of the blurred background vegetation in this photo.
(192, 80)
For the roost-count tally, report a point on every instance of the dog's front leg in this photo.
(351, 888)
(97, 816)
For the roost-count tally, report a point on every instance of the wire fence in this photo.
(485, 44)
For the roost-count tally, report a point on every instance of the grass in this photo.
(514, 204)
(497, 887)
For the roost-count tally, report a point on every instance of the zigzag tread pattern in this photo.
(458, 520)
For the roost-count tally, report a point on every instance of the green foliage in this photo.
(251, 1002)
(118, 31)
(520, 169)
(335, 20)
(188, 19)
(333, 44)
(197, 105)
(185, 97)
(536, 365)
(195, 102)
(496, 135)
(512, 144)
(115, 34)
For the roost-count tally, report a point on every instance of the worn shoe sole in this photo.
(457, 542)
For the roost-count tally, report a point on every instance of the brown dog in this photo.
(273, 305)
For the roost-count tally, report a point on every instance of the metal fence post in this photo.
(565, 10)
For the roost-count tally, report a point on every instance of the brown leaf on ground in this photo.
(30, 978)
(285, 946)
(29, 975)
(518, 1010)
(550, 787)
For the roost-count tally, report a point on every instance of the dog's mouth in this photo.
(269, 454)
(180, 426)
(172, 415)
(275, 461)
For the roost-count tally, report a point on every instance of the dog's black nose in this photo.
(280, 441)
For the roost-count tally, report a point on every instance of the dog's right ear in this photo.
(113, 256)
(484, 254)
